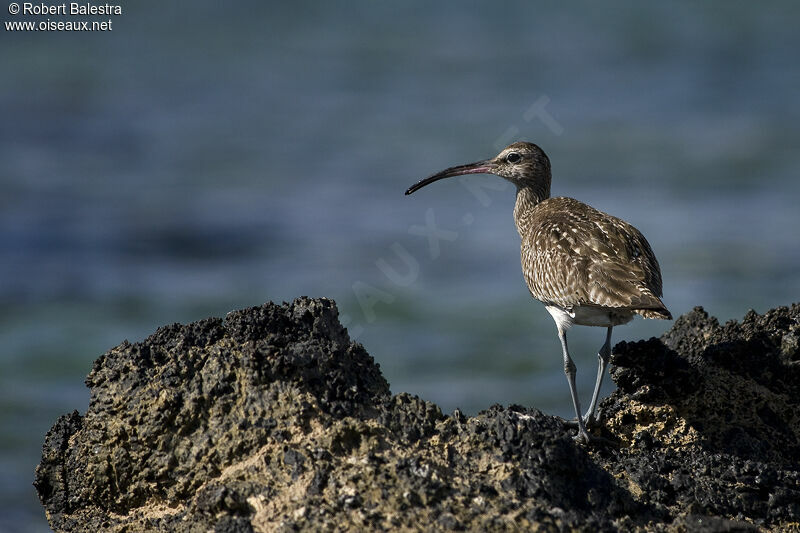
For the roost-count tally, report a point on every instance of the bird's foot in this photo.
(582, 437)
(587, 439)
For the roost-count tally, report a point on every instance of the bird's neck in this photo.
(527, 199)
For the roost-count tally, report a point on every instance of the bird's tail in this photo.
(661, 313)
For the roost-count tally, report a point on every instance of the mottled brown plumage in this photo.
(573, 254)
(586, 266)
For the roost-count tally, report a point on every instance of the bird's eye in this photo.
(513, 157)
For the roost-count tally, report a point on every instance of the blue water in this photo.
(200, 159)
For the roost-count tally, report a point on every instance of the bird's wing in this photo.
(577, 255)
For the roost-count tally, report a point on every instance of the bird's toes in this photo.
(582, 437)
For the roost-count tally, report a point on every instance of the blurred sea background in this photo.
(205, 157)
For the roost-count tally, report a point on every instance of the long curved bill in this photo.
(479, 167)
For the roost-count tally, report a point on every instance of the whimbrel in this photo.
(587, 267)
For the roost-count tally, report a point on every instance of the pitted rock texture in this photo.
(273, 420)
(707, 417)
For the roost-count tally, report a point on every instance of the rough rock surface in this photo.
(273, 420)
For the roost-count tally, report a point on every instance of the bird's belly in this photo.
(589, 316)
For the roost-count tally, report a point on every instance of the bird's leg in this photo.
(602, 362)
(569, 370)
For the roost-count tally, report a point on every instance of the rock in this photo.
(273, 420)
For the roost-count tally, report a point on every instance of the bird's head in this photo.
(522, 163)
